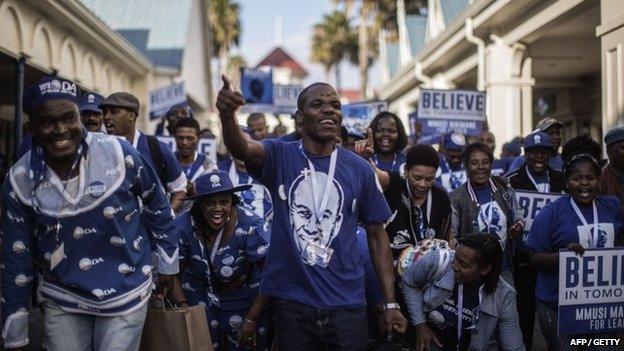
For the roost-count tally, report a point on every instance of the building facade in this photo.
(557, 58)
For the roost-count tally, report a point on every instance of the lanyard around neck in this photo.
(460, 312)
(473, 196)
(593, 237)
(319, 207)
(429, 203)
(546, 187)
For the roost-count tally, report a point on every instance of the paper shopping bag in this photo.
(184, 329)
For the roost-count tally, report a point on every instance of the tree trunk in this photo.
(363, 50)
(338, 79)
(223, 60)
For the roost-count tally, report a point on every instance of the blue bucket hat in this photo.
(537, 140)
(215, 182)
(91, 102)
(49, 88)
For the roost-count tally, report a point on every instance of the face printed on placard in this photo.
(307, 228)
(491, 219)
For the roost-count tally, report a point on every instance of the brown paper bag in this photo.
(184, 329)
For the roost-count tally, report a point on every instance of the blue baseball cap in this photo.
(513, 147)
(49, 88)
(91, 102)
(354, 132)
(215, 182)
(537, 140)
(454, 141)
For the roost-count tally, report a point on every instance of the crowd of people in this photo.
(327, 238)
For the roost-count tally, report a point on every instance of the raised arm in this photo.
(250, 151)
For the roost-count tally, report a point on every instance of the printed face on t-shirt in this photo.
(307, 228)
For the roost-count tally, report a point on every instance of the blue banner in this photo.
(257, 85)
(591, 291)
(444, 111)
(162, 99)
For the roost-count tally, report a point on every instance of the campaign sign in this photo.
(206, 146)
(285, 98)
(444, 111)
(531, 202)
(162, 99)
(359, 115)
(257, 85)
(591, 291)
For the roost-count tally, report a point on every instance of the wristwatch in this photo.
(390, 306)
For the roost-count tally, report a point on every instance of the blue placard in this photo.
(591, 291)
(531, 203)
(359, 115)
(162, 99)
(444, 111)
(257, 85)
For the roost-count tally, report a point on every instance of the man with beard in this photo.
(91, 113)
(121, 111)
(81, 212)
(315, 281)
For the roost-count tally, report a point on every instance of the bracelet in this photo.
(249, 321)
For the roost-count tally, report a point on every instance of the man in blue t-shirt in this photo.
(120, 114)
(320, 192)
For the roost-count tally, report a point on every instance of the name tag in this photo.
(313, 254)
(96, 189)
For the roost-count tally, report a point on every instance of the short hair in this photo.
(255, 117)
(490, 254)
(478, 146)
(187, 123)
(301, 99)
(580, 148)
(422, 155)
(374, 125)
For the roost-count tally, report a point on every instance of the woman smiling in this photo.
(576, 222)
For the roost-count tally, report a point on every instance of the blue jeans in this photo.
(82, 332)
(301, 327)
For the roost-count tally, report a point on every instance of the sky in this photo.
(258, 18)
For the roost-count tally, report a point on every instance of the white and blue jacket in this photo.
(91, 254)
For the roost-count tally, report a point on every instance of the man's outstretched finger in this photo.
(226, 82)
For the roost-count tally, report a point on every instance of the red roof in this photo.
(351, 95)
(279, 58)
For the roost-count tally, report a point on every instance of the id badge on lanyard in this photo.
(313, 253)
(595, 236)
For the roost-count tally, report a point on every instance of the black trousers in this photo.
(305, 328)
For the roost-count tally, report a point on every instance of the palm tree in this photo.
(373, 16)
(225, 25)
(333, 40)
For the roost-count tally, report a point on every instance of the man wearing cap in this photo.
(552, 127)
(120, 114)
(611, 180)
(72, 217)
(535, 175)
(320, 193)
(451, 174)
(91, 113)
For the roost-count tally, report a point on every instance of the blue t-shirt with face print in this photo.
(558, 225)
(310, 261)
